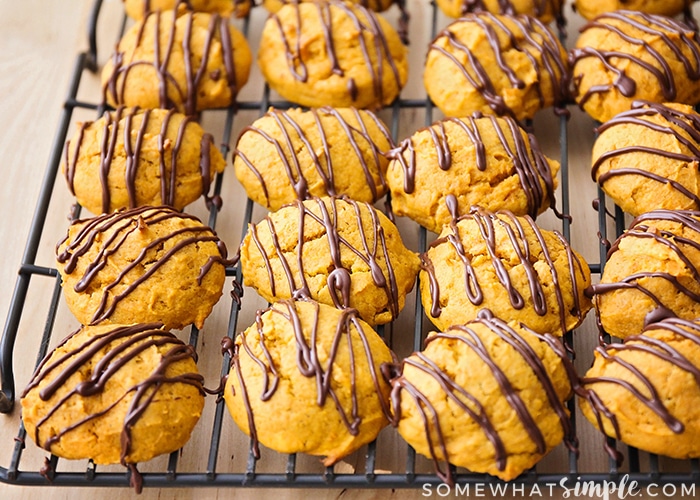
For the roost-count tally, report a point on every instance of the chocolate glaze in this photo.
(133, 340)
(115, 85)
(640, 228)
(368, 28)
(514, 227)
(683, 330)
(539, 8)
(551, 67)
(682, 127)
(673, 34)
(529, 163)
(308, 363)
(123, 119)
(372, 250)
(289, 129)
(123, 224)
(476, 410)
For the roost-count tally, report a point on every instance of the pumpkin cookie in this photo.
(139, 265)
(289, 155)
(192, 62)
(648, 158)
(506, 264)
(334, 250)
(496, 64)
(625, 56)
(544, 10)
(481, 160)
(114, 394)
(646, 391)
(305, 378)
(652, 272)
(487, 395)
(590, 9)
(167, 160)
(137, 9)
(332, 53)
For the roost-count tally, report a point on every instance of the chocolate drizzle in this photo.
(682, 127)
(523, 38)
(672, 34)
(471, 335)
(325, 212)
(309, 349)
(170, 92)
(110, 232)
(539, 8)
(107, 353)
(288, 154)
(134, 133)
(643, 227)
(527, 256)
(638, 383)
(528, 161)
(371, 39)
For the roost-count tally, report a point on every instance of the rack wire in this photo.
(291, 476)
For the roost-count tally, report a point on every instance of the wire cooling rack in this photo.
(291, 471)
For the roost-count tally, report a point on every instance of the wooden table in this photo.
(39, 44)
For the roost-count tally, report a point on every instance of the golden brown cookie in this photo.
(334, 250)
(506, 264)
(652, 272)
(593, 8)
(481, 160)
(646, 391)
(137, 9)
(167, 160)
(648, 158)
(142, 265)
(375, 5)
(115, 394)
(496, 64)
(305, 378)
(625, 56)
(488, 395)
(544, 10)
(296, 154)
(197, 61)
(332, 53)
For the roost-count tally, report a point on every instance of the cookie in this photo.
(334, 250)
(480, 160)
(142, 265)
(295, 154)
(375, 5)
(648, 158)
(192, 62)
(114, 394)
(332, 53)
(133, 157)
(625, 56)
(508, 265)
(590, 9)
(544, 10)
(496, 64)
(646, 391)
(487, 395)
(305, 378)
(652, 272)
(137, 9)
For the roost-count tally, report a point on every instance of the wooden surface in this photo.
(39, 42)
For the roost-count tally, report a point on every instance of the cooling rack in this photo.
(290, 471)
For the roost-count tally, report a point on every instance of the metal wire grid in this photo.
(290, 477)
